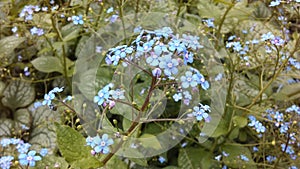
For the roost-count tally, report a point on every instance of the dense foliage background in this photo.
(68, 66)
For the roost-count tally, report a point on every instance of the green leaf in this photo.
(288, 92)
(6, 126)
(233, 159)
(22, 117)
(18, 94)
(115, 162)
(43, 130)
(71, 144)
(48, 64)
(7, 46)
(240, 121)
(86, 163)
(150, 141)
(52, 162)
(194, 158)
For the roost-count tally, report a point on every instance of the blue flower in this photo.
(200, 113)
(23, 147)
(117, 94)
(102, 96)
(189, 79)
(188, 57)
(156, 72)
(43, 152)
(6, 162)
(29, 159)
(177, 97)
(267, 36)
(191, 42)
(177, 45)
(275, 3)
(153, 59)
(161, 159)
(169, 65)
(110, 10)
(160, 48)
(293, 108)
(77, 19)
(165, 32)
(270, 159)
(36, 31)
(209, 22)
(57, 90)
(102, 144)
(113, 18)
(48, 98)
(244, 158)
(14, 29)
(5, 142)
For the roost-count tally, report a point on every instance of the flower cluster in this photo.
(37, 31)
(257, 125)
(77, 20)
(165, 53)
(50, 96)
(107, 96)
(99, 144)
(26, 157)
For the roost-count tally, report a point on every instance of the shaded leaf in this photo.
(192, 158)
(150, 141)
(6, 126)
(43, 131)
(240, 121)
(22, 117)
(7, 46)
(18, 94)
(233, 159)
(71, 144)
(86, 163)
(48, 64)
(52, 162)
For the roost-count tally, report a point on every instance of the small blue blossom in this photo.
(188, 57)
(270, 159)
(177, 97)
(189, 79)
(48, 98)
(293, 108)
(117, 94)
(37, 104)
(275, 3)
(110, 10)
(57, 89)
(29, 159)
(175, 44)
(6, 162)
(160, 48)
(191, 42)
(68, 98)
(5, 142)
(169, 65)
(209, 22)
(102, 96)
(156, 72)
(165, 32)
(14, 29)
(200, 113)
(153, 59)
(43, 152)
(161, 159)
(267, 36)
(113, 18)
(102, 144)
(244, 158)
(219, 77)
(77, 19)
(37, 31)
(23, 147)
(98, 49)
(288, 149)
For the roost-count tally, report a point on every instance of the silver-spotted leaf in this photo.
(18, 94)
